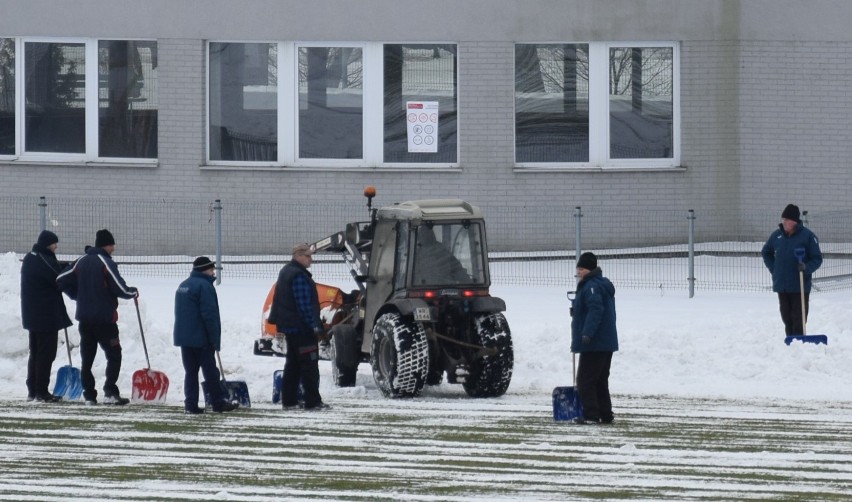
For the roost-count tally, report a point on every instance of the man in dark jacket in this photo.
(595, 338)
(779, 256)
(198, 333)
(43, 313)
(295, 310)
(95, 283)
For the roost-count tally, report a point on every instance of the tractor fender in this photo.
(488, 304)
(412, 307)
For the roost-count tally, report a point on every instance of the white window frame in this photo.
(91, 105)
(288, 117)
(599, 127)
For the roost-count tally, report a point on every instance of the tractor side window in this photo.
(401, 255)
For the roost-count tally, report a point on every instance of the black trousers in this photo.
(105, 336)
(40, 363)
(204, 359)
(593, 385)
(301, 363)
(790, 305)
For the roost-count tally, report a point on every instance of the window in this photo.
(641, 119)
(415, 74)
(55, 113)
(331, 104)
(243, 103)
(7, 96)
(127, 99)
(552, 103)
(597, 104)
(342, 105)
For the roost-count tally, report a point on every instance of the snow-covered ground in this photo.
(724, 344)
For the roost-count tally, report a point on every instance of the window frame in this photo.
(288, 108)
(599, 113)
(91, 110)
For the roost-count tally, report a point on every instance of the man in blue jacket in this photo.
(295, 310)
(198, 333)
(779, 256)
(43, 313)
(595, 338)
(95, 283)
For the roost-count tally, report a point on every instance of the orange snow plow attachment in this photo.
(330, 300)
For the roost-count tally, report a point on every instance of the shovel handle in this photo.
(142, 332)
(68, 347)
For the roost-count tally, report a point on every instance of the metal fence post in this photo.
(578, 233)
(805, 218)
(42, 213)
(691, 278)
(217, 208)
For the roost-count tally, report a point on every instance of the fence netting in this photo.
(527, 245)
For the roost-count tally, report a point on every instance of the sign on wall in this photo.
(422, 117)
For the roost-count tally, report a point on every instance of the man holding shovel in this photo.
(198, 333)
(43, 313)
(779, 256)
(595, 338)
(95, 283)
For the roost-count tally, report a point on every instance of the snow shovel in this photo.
(232, 390)
(68, 383)
(804, 337)
(277, 379)
(148, 384)
(566, 400)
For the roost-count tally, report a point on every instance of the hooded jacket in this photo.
(42, 307)
(197, 321)
(779, 256)
(594, 315)
(95, 283)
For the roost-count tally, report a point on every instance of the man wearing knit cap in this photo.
(779, 256)
(95, 283)
(43, 313)
(595, 338)
(198, 333)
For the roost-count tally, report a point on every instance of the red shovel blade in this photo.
(150, 385)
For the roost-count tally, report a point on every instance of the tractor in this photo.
(422, 308)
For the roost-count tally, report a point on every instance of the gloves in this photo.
(587, 340)
(801, 267)
(134, 292)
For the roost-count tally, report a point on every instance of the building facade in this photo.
(722, 106)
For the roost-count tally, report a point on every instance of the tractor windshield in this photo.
(449, 254)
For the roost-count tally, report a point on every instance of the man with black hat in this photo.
(43, 313)
(198, 333)
(595, 338)
(295, 310)
(780, 257)
(95, 283)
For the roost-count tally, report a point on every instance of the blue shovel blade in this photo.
(69, 385)
(232, 390)
(277, 378)
(566, 404)
(815, 339)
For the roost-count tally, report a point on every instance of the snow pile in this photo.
(716, 344)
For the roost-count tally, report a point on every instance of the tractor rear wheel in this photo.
(491, 374)
(399, 355)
